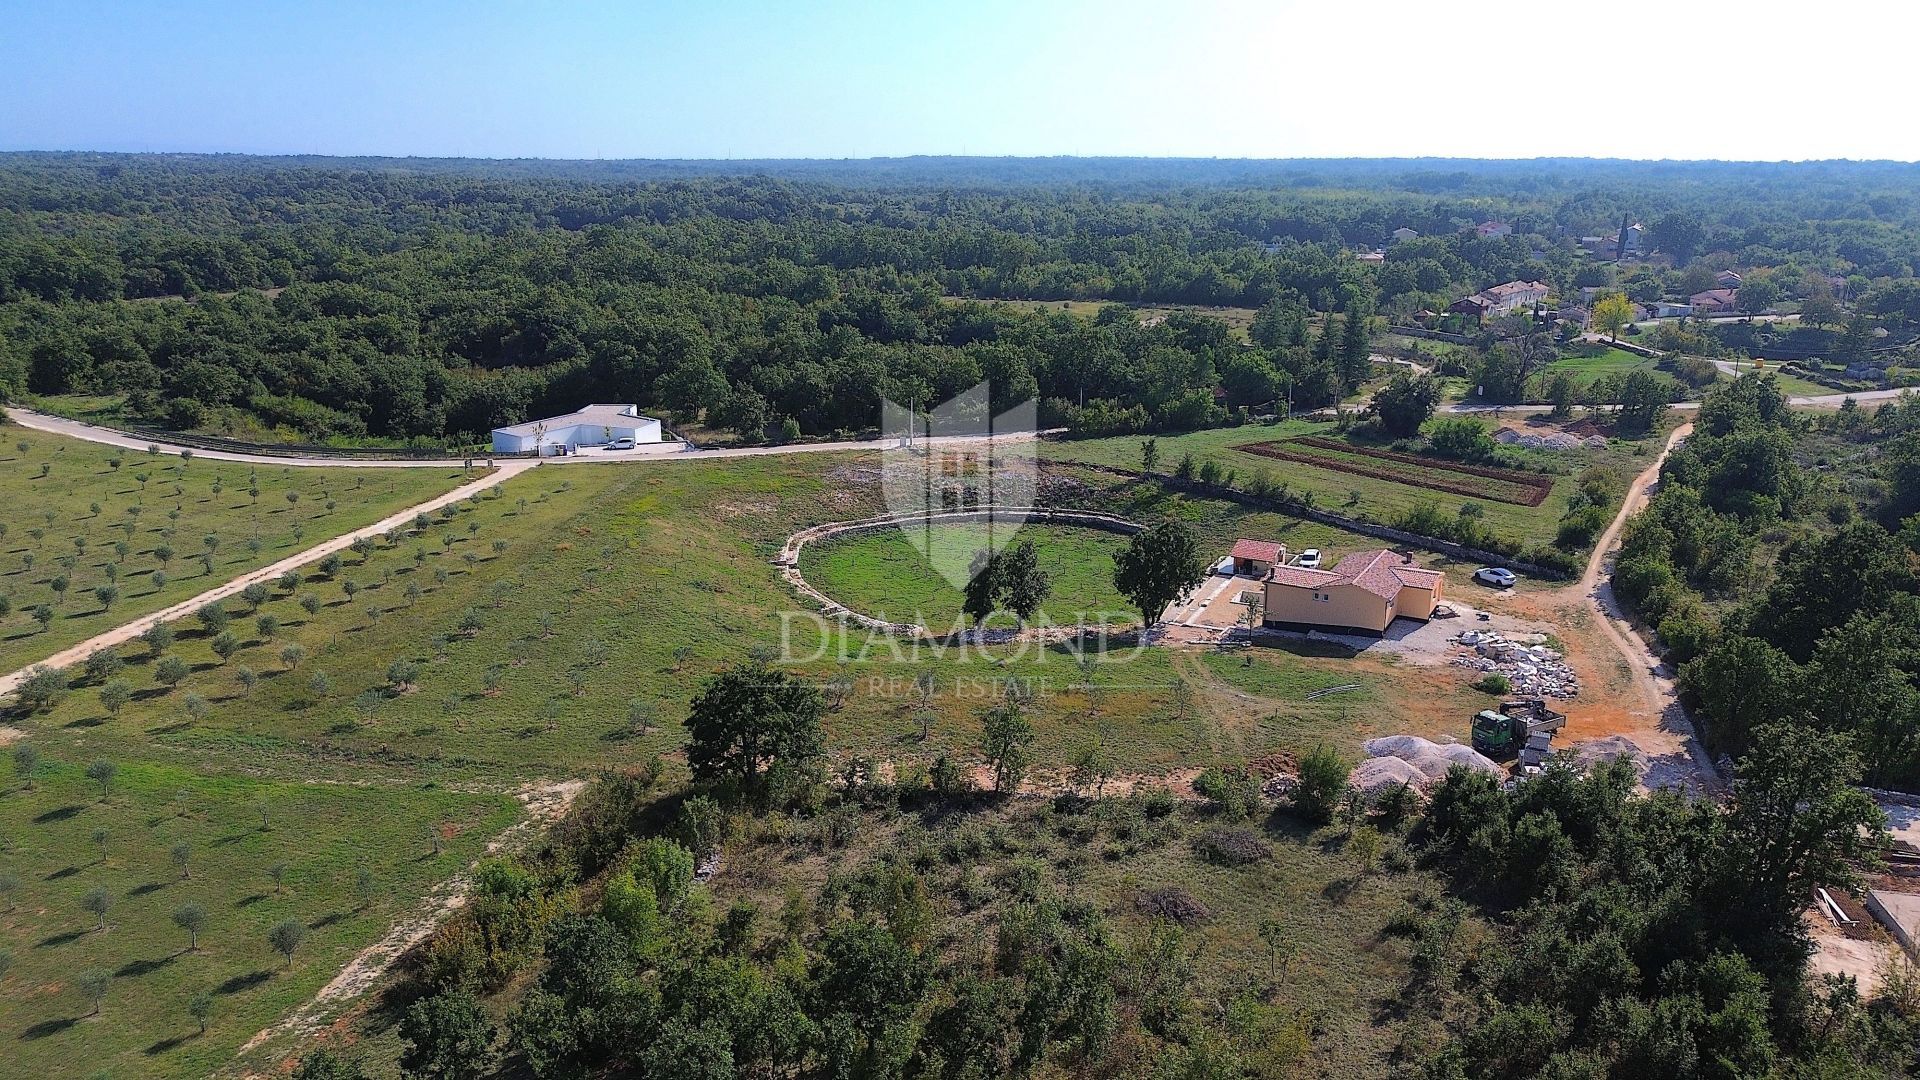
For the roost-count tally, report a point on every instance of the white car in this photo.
(620, 444)
(1224, 567)
(1497, 577)
(1309, 559)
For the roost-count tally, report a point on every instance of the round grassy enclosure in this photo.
(882, 574)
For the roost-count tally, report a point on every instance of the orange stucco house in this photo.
(1363, 594)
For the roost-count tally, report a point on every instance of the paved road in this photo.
(128, 631)
(60, 425)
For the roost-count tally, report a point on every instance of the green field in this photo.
(554, 627)
(1361, 497)
(1238, 319)
(64, 840)
(1609, 362)
(88, 523)
(883, 574)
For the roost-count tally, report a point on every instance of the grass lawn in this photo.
(884, 574)
(86, 522)
(1611, 361)
(322, 834)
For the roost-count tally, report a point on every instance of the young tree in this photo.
(291, 654)
(1149, 453)
(116, 694)
(749, 716)
(106, 594)
(193, 919)
(1160, 565)
(26, 758)
(92, 984)
(285, 937)
(200, 1007)
(102, 772)
(42, 688)
(1025, 585)
(158, 638)
(182, 856)
(171, 670)
(1005, 740)
(96, 903)
(981, 598)
(225, 644)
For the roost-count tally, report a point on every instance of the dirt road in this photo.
(1649, 710)
(128, 631)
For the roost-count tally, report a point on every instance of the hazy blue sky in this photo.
(855, 79)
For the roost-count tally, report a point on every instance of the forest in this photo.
(393, 300)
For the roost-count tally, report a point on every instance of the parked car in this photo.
(622, 443)
(1495, 576)
(1224, 567)
(1309, 559)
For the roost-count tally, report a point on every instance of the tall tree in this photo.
(748, 717)
(1160, 565)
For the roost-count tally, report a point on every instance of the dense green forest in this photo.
(420, 299)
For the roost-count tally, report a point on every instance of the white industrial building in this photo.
(594, 425)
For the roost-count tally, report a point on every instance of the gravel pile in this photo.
(1559, 440)
(1375, 775)
(1431, 758)
(1592, 752)
(1532, 668)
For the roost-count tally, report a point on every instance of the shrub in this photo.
(1230, 792)
(1323, 780)
(1493, 683)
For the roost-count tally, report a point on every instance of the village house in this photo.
(1253, 558)
(1671, 309)
(1492, 230)
(1727, 279)
(1715, 301)
(1363, 594)
(1404, 233)
(1501, 299)
(593, 425)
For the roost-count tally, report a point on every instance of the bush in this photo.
(1462, 438)
(1232, 847)
(1580, 528)
(1230, 792)
(1323, 780)
(1494, 683)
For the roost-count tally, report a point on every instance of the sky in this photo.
(843, 78)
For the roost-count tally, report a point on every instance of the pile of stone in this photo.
(1432, 759)
(1591, 753)
(1534, 669)
(1558, 440)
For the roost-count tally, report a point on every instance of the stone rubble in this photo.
(1532, 668)
(1558, 440)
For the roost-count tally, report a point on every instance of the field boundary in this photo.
(1536, 485)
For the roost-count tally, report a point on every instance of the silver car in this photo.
(1495, 576)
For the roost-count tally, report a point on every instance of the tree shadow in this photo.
(243, 982)
(325, 921)
(149, 887)
(250, 900)
(49, 1027)
(165, 1045)
(85, 722)
(61, 813)
(62, 873)
(58, 940)
(170, 728)
(133, 969)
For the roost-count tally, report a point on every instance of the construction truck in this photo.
(1518, 729)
